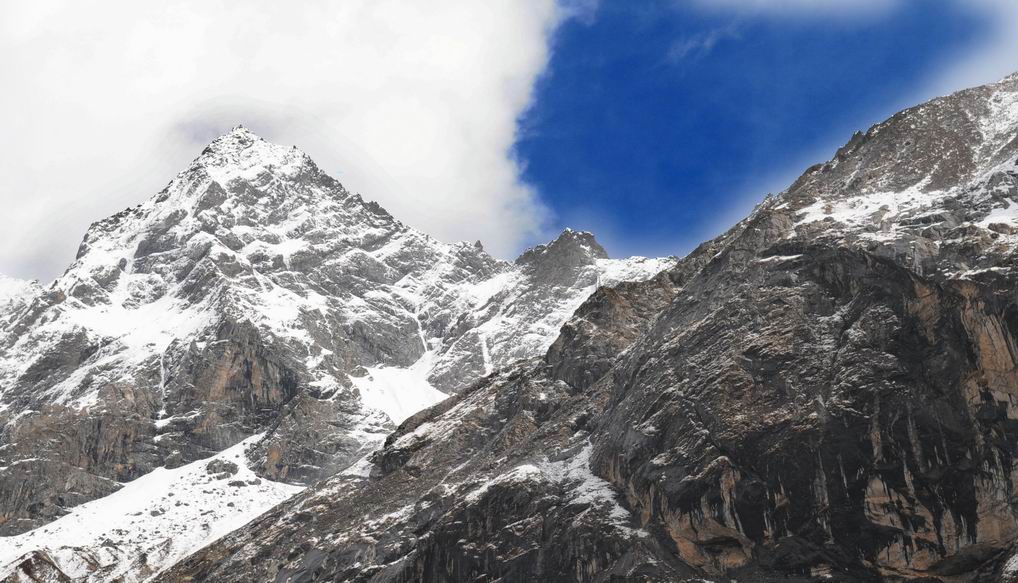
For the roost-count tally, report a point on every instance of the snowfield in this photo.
(151, 522)
(372, 320)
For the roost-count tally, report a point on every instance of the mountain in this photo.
(252, 328)
(257, 375)
(15, 293)
(825, 392)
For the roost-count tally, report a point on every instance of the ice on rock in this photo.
(253, 270)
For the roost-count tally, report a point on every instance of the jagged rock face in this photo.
(864, 431)
(827, 391)
(256, 295)
(825, 410)
(493, 483)
(934, 187)
(583, 353)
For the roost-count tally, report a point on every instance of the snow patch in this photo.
(778, 258)
(616, 271)
(878, 210)
(397, 392)
(582, 486)
(156, 519)
(1010, 566)
(1005, 215)
(15, 291)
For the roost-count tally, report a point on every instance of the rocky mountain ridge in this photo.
(254, 295)
(825, 392)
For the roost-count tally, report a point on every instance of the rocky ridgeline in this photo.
(253, 296)
(827, 391)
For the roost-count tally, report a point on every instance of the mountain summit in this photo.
(253, 300)
(825, 392)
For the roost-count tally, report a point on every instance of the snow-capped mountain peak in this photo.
(580, 245)
(256, 295)
(240, 154)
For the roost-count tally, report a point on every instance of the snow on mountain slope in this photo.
(15, 293)
(255, 231)
(935, 185)
(397, 392)
(148, 524)
(780, 406)
(254, 295)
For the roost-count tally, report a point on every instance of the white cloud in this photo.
(801, 8)
(995, 55)
(413, 104)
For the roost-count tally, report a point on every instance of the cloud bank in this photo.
(412, 104)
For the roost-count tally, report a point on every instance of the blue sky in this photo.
(657, 124)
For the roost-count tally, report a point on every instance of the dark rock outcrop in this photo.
(827, 391)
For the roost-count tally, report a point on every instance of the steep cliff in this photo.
(827, 391)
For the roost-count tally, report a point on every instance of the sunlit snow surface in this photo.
(977, 209)
(397, 392)
(13, 289)
(252, 232)
(1002, 215)
(402, 392)
(150, 522)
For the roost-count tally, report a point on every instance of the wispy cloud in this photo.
(584, 11)
(412, 104)
(700, 45)
(802, 8)
(991, 59)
